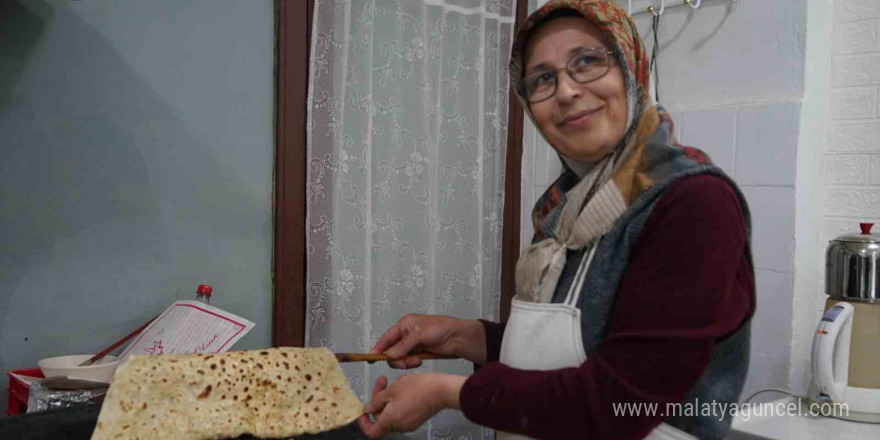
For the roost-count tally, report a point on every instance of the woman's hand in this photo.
(409, 402)
(436, 334)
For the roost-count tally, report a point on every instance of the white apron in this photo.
(541, 336)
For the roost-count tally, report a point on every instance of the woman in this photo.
(638, 287)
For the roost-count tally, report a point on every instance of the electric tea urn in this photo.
(846, 345)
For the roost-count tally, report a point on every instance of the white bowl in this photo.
(101, 371)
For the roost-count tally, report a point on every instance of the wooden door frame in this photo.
(512, 186)
(293, 30)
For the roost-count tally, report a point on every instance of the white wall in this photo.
(731, 73)
(137, 142)
(844, 147)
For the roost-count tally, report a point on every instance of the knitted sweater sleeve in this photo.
(689, 283)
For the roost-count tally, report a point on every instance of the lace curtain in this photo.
(407, 128)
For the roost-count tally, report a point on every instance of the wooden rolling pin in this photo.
(371, 357)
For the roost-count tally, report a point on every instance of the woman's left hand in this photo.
(409, 402)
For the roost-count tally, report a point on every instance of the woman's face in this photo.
(584, 122)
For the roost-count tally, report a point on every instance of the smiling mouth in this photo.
(579, 119)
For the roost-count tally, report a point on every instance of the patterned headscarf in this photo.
(617, 180)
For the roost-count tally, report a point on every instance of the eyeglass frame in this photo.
(610, 60)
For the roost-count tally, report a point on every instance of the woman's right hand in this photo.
(435, 334)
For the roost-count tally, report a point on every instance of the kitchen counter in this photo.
(799, 427)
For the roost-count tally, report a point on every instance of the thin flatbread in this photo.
(272, 393)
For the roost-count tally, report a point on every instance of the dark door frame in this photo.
(293, 30)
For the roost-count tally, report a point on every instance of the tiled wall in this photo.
(851, 168)
(852, 155)
(750, 130)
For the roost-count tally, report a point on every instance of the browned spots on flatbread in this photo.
(126, 426)
(205, 393)
(263, 387)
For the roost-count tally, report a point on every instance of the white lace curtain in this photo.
(407, 127)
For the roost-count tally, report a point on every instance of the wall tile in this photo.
(541, 157)
(850, 10)
(772, 323)
(766, 371)
(846, 169)
(856, 71)
(528, 178)
(856, 37)
(833, 228)
(677, 124)
(712, 131)
(772, 212)
(529, 149)
(874, 173)
(552, 164)
(526, 229)
(853, 103)
(851, 202)
(854, 137)
(766, 144)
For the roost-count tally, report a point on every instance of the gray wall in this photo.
(137, 149)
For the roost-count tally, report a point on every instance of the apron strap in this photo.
(574, 291)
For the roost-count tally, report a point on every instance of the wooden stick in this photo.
(375, 357)
(115, 345)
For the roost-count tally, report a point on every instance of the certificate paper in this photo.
(189, 327)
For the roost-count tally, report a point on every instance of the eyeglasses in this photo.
(589, 64)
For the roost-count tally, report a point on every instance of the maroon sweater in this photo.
(688, 285)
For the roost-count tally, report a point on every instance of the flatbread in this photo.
(272, 393)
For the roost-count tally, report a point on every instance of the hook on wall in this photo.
(653, 10)
(693, 3)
